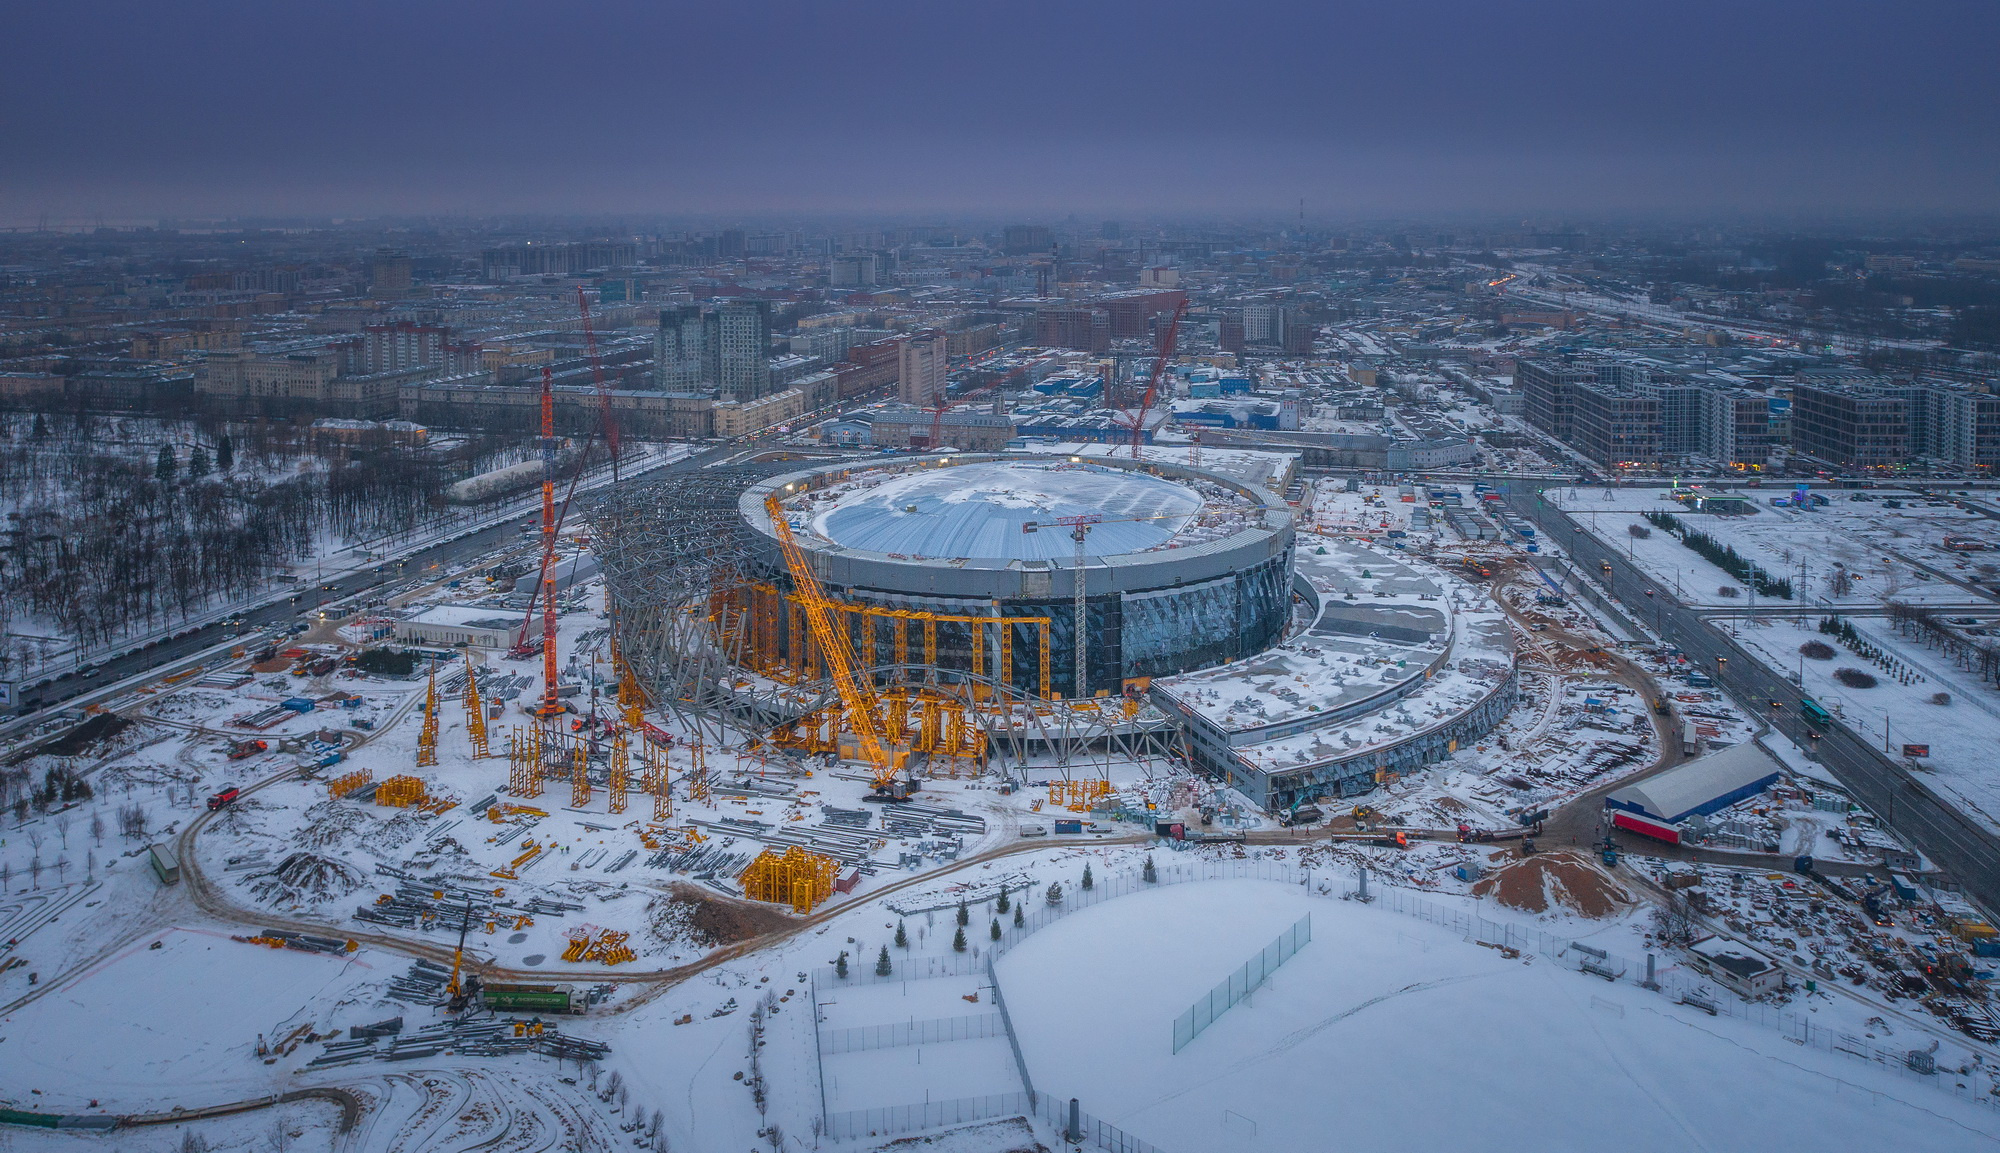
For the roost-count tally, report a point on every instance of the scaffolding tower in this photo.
(796, 877)
(524, 762)
(475, 711)
(427, 740)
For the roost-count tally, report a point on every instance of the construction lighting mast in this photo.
(1168, 340)
(1079, 530)
(856, 697)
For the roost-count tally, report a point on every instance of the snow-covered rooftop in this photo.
(981, 510)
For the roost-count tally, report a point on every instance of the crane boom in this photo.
(1168, 340)
(857, 699)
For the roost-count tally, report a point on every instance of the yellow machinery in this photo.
(766, 654)
(656, 781)
(1078, 796)
(475, 712)
(621, 773)
(588, 943)
(400, 792)
(796, 877)
(579, 783)
(348, 783)
(697, 777)
(858, 699)
(524, 762)
(427, 740)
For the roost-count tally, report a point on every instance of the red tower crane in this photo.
(1168, 339)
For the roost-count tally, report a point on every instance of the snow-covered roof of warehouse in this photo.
(1701, 785)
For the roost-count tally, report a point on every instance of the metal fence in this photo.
(902, 1033)
(1238, 985)
(1466, 921)
(1090, 1130)
(929, 1115)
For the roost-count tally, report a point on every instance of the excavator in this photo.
(858, 698)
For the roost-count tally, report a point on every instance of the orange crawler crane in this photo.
(857, 697)
(797, 878)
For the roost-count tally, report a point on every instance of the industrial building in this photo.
(1661, 804)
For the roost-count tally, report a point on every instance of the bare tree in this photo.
(96, 826)
(62, 826)
(1674, 920)
(35, 873)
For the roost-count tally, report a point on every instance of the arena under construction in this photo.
(1000, 612)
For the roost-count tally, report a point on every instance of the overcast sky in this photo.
(746, 108)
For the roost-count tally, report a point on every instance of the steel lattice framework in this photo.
(681, 564)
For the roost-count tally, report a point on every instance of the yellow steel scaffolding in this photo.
(797, 878)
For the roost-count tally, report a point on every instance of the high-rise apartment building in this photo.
(853, 270)
(1260, 323)
(1023, 239)
(731, 244)
(680, 349)
(743, 350)
(401, 346)
(390, 273)
(924, 368)
(1088, 329)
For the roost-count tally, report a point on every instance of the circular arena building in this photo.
(969, 565)
(1295, 666)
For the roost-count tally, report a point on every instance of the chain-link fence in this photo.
(929, 1115)
(1465, 921)
(1237, 985)
(1089, 1130)
(902, 1033)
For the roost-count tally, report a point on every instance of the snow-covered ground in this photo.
(1888, 553)
(1960, 734)
(1388, 1030)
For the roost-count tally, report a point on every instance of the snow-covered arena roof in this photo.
(980, 510)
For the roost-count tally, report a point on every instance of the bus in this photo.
(1814, 712)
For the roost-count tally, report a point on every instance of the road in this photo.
(1967, 850)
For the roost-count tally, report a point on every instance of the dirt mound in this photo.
(304, 878)
(1554, 880)
(712, 919)
(78, 740)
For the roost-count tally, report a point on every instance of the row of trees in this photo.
(104, 536)
(1723, 556)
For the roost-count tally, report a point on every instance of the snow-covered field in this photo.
(1960, 734)
(1894, 553)
(1387, 1030)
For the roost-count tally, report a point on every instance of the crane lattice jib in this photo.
(860, 702)
(1168, 340)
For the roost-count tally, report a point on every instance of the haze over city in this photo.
(131, 111)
